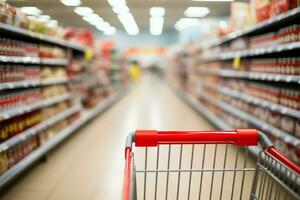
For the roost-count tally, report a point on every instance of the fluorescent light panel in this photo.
(129, 23)
(83, 11)
(196, 11)
(92, 18)
(121, 9)
(110, 31)
(116, 2)
(156, 25)
(71, 2)
(157, 11)
(29, 10)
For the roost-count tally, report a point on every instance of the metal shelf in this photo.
(261, 51)
(37, 154)
(33, 60)
(252, 52)
(20, 84)
(39, 37)
(275, 21)
(54, 81)
(256, 101)
(31, 83)
(258, 123)
(215, 120)
(192, 101)
(28, 108)
(252, 75)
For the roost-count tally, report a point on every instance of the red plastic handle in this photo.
(126, 186)
(240, 137)
(283, 159)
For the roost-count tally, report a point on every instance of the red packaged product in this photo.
(263, 10)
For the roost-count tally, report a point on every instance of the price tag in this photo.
(88, 54)
(236, 62)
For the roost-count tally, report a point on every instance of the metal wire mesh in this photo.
(193, 172)
(273, 180)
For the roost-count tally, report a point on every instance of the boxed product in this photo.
(281, 6)
(263, 10)
(240, 16)
(7, 13)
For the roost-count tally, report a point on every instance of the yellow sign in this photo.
(236, 62)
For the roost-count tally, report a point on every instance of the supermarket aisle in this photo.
(89, 166)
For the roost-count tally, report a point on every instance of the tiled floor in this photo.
(89, 166)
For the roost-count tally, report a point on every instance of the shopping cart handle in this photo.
(240, 137)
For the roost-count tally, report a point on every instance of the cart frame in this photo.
(271, 165)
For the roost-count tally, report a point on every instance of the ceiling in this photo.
(139, 8)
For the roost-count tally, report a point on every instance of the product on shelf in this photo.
(284, 35)
(51, 111)
(52, 131)
(12, 47)
(14, 126)
(240, 16)
(47, 51)
(7, 13)
(14, 100)
(52, 91)
(15, 17)
(263, 9)
(282, 6)
(14, 73)
(53, 73)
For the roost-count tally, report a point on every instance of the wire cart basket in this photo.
(206, 165)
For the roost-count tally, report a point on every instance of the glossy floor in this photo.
(89, 165)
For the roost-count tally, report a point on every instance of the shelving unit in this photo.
(37, 154)
(39, 37)
(218, 65)
(256, 29)
(67, 72)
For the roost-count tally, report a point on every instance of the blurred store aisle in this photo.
(89, 166)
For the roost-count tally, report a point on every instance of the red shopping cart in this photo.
(206, 165)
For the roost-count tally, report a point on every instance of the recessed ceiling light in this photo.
(83, 11)
(196, 11)
(157, 11)
(29, 10)
(71, 2)
(120, 9)
(116, 2)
